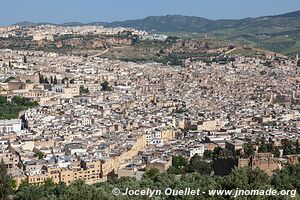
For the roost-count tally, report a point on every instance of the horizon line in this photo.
(108, 22)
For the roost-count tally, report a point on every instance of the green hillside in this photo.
(279, 33)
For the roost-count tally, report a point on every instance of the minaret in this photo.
(297, 57)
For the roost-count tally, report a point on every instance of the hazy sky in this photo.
(58, 11)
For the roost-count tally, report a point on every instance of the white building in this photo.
(75, 149)
(8, 126)
(197, 150)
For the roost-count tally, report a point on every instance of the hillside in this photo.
(177, 23)
(279, 33)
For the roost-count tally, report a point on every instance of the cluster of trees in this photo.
(83, 90)
(242, 178)
(181, 110)
(10, 110)
(128, 35)
(288, 147)
(261, 145)
(223, 59)
(53, 80)
(7, 185)
(105, 86)
(181, 165)
(172, 59)
(279, 45)
(216, 153)
(40, 155)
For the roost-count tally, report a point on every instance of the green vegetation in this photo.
(288, 146)
(216, 153)
(196, 176)
(181, 110)
(40, 155)
(53, 80)
(248, 150)
(180, 165)
(249, 52)
(278, 44)
(83, 90)
(242, 178)
(9, 79)
(105, 86)
(198, 165)
(276, 33)
(10, 110)
(6, 183)
(43, 79)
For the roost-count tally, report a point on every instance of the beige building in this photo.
(161, 165)
(89, 171)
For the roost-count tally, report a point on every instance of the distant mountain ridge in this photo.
(176, 23)
(279, 33)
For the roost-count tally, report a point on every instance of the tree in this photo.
(297, 147)
(179, 162)
(288, 148)
(174, 60)
(46, 80)
(105, 86)
(245, 178)
(238, 153)
(55, 80)
(276, 152)
(10, 110)
(2, 100)
(64, 80)
(197, 165)
(40, 155)
(153, 174)
(51, 80)
(83, 90)
(220, 152)
(287, 178)
(72, 81)
(207, 154)
(174, 170)
(6, 183)
(41, 78)
(248, 150)
(25, 59)
(263, 148)
(242, 178)
(18, 100)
